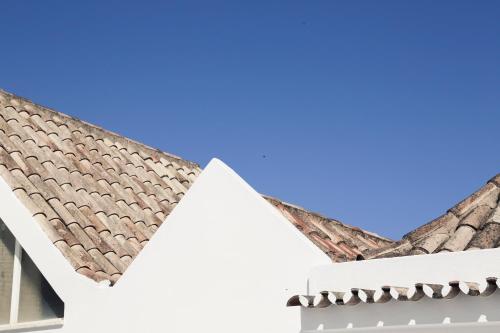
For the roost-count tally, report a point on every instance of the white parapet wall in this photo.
(460, 314)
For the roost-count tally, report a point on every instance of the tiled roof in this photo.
(339, 241)
(100, 197)
(473, 223)
(385, 294)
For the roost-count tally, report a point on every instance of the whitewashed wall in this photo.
(461, 314)
(225, 260)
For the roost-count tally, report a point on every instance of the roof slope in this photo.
(339, 241)
(100, 197)
(473, 223)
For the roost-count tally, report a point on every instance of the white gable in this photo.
(225, 260)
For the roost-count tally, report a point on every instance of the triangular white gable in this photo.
(225, 260)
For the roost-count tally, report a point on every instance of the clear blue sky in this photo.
(382, 114)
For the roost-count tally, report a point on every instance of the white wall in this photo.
(224, 260)
(472, 314)
(402, 271)
(427, 314)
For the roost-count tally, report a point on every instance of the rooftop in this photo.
(473, 223)
(100, 197)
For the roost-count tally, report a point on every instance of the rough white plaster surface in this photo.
(225, 260)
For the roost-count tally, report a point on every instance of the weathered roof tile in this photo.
(486, 238)
(487, 195)
(471, 224)
(460, 239)
(83, 183)
(476, 217)
(495, 180)
(341, 242)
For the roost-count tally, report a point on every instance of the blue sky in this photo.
(382, 114)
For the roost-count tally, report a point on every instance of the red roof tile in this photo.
(340, 241)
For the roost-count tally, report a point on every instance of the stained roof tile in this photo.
(340, 241)
(86, 186)
(471, 224)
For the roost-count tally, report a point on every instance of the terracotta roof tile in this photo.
(496, 180)
(340, 241)
(486, 238)
(93, 192)
(471, 224)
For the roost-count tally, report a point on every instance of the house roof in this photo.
(385, 294)
(339, 241)
(473, 223)
(100, 197)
